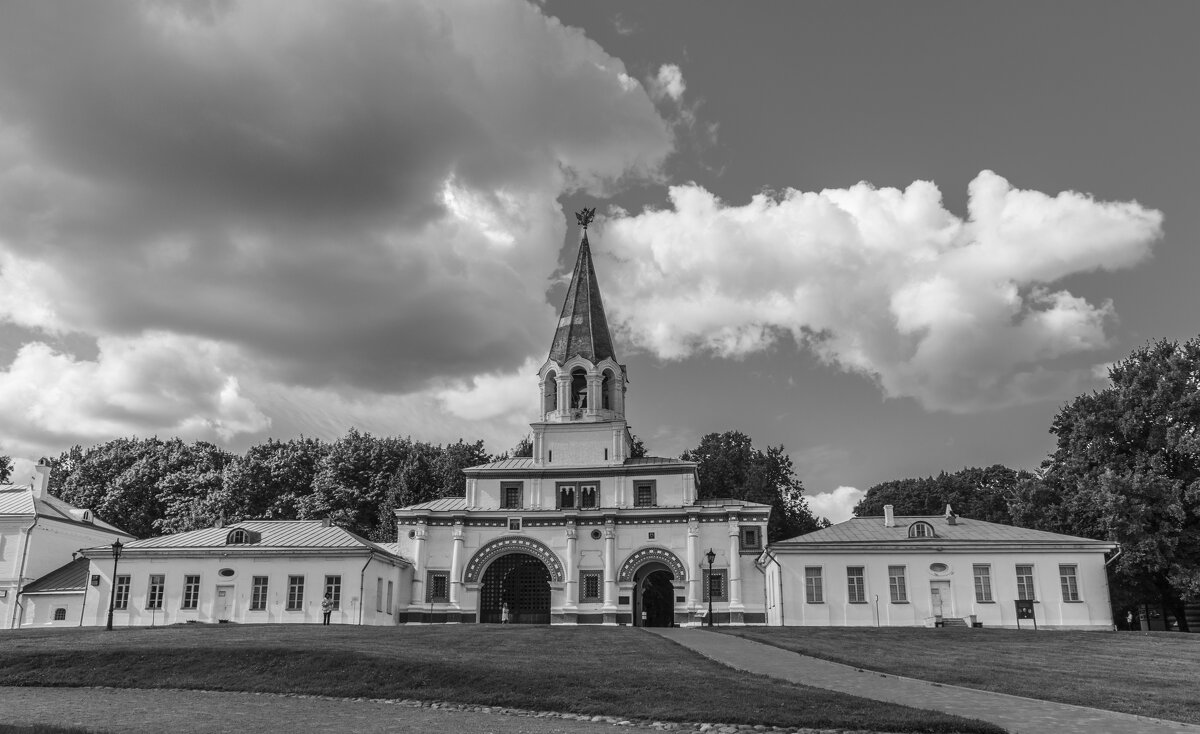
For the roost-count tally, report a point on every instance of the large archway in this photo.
(521, 581)
(653, 596)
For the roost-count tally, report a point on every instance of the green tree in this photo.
(5, 469)
(1127, 468)
(979, 493)
(271, 480)
(729, 466)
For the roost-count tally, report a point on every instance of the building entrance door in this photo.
(223, 609)
(519, 581)
(939, 598)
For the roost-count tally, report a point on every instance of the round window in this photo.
(226, 572)
(412, 534)
(939, 567)
(596, 535)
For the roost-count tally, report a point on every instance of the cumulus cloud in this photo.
(358, 195)
(961, 314)
(836, 506)
(668, 83)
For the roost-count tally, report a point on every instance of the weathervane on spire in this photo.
(585, 217)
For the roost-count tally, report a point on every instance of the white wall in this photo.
(40, 608)
(1092, 611)
(357, 592)
(615, 491)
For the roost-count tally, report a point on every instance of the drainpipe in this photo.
(1120, 550)
(87, 581)
(362, 586)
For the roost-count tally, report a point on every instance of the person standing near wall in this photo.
(326, 608)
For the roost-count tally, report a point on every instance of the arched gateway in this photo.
(516, 571)
(653, 572)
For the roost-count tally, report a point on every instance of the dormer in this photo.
(921, 529)
(241, 536)
(81, 515)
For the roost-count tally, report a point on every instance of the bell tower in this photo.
(581, 386)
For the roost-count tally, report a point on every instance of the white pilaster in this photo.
(693, 563)
(735, 568)
(418, 580)
(610, 568)
(572, 572)
(456, 555)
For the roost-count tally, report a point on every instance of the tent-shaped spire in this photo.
(582, 326)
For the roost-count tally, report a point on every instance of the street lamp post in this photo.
(112, 595)
(711, 556)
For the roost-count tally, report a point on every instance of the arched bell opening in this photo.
(654, 596)
(608, 386)
(579, 388)
(550, 392)
(520, 581)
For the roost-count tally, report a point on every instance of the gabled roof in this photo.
(446, 504)
(272, 535)
(582, 326)
(18, 499)
(71, 577)
(965, 530)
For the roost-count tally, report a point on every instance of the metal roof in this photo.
(872, 530)
(443, 505)
(18, 499)
(71, 577)
(273, 534)
(582, 326)
(525, 462)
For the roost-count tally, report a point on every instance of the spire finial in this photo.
(585, 217)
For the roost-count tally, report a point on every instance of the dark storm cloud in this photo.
(358, 193)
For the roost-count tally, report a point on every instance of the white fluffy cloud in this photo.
(668, 83)
(358, 196)
(836, 506)
(960, 314)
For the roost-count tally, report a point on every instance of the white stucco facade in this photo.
(866, 573)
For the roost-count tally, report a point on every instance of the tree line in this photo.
(153, 486)
(1125, 468)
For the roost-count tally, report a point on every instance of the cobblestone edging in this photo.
(678, 726)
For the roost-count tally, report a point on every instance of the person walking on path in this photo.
(504, 614)
(326, 608)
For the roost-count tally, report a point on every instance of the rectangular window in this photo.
(643, 494)
(389, 598)
(814, 587)
(514, 524)
(191, 592)
(983, 582)
(1070, 584)
(589, 585)
(510, 495)
(588, 494)
(333, 587)
(295, 602)
(121, 600)
(437, 588)
(258, 594)
(154, 595)
(898, 584)
(856, 585)
(715, 583)
(751, 538)
(379, 594)
(1025, 583)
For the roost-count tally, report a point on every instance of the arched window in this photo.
(237, 536)
(60, 614)
(566, 496)
(579, 388)
(550, 393)
(606, 396)
(920, 530)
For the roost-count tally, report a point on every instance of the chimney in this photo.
(889, 520)
(41, 478)
(326, 522)
(951, 518)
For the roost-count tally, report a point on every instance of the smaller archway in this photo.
(654, 596)
(579, 388)
(608, 390)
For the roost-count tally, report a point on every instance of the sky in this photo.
(893, 237)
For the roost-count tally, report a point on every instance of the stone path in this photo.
(1015, 713)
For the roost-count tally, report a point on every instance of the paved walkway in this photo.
(1015, 713)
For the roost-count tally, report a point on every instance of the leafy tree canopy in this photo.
(983, 494)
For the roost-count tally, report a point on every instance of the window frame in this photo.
(295, 597)
(191, 592)
(1069, 583)
(60, 614)
(259, 587)
(155, 591)
(858, 590)
(432, 577)
(718, 573)
(379, 595)
(560, 488)
(584, 577)
(333, 587)
(926, 530)
(744, 531)
(588, 492)
(983, 583)
(651, 485)
(390, 592)
(814, 582)
(121, 594)
(519, 488)
(1026, 590)
(898, 584)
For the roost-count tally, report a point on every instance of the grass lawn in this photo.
(594, 670)
(1147, 673)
